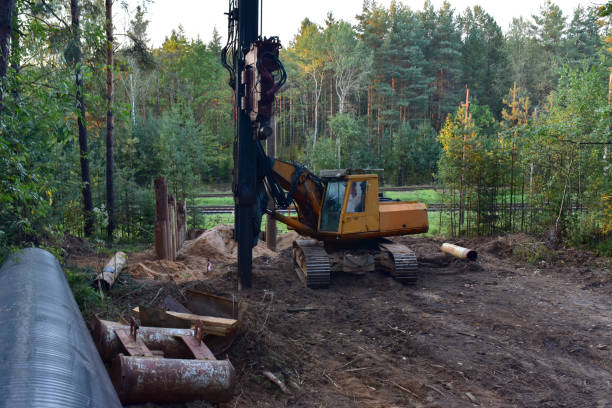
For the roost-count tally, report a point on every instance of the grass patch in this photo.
(212, 201)
(600, 247)
(424, 196)
(88, 298)
(534, 252)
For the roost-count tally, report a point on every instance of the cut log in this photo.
(111, 271)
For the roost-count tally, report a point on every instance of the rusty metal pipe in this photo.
(139, 379)
(459, 252)
(156, 338)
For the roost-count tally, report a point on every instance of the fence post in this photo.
(161, 218)
(182, 222)
(172, 230)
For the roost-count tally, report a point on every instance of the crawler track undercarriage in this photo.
(315, 261)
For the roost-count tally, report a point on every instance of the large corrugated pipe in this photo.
(47, 358)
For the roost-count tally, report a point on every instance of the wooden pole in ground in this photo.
(172, 228)
(182, 222)
(162, 249)
(271, 222)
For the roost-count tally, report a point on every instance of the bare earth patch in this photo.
(502, 332)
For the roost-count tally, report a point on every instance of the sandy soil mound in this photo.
(286, 240)
(157, 270)
(218, 245)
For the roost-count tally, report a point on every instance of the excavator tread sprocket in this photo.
(311, 263)
(404, 258)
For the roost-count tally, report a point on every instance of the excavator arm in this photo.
(304, 189)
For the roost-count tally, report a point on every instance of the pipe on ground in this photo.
(459, 252)
(47, 358)
(140, 379)
(156, 338)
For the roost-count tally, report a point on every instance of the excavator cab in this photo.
(350, 205)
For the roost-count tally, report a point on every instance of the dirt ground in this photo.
(500, 332)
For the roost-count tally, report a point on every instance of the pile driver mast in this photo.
(256, 75)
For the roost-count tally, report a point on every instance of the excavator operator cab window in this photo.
(332, 206)
(356, 198)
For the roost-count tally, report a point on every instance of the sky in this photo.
(283, 17)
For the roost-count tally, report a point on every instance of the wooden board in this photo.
(197, 348)
(217, 322)
(133, 347)
(213, 325)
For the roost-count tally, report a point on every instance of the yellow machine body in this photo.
(349, 208)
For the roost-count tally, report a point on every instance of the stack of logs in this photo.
(170, 222)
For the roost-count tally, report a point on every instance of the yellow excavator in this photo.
(348, 221)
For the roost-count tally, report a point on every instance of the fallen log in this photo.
(111, 271)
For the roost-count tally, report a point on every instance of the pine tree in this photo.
(548, 30)
(485, 67)
(583, 41)
(443, 55)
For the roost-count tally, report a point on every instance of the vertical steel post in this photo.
(245, 161)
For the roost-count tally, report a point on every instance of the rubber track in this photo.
(406, 265)
(317, 274)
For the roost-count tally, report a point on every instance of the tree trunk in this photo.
(85, 179)
(317, 96)
(133, 99)
(6, 28)
(110, 125)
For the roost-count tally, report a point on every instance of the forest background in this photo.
(83, 106)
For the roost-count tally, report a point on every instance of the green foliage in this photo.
(85, 295)
(382, 94)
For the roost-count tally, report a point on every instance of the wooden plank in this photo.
(198, 348)
(216, 323)
(134, 348)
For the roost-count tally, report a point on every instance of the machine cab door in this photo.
(354, 217)
(332, 206)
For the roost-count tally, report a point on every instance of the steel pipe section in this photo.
(459, 252)
(156, 338)
(139, 379)
(47, 358)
